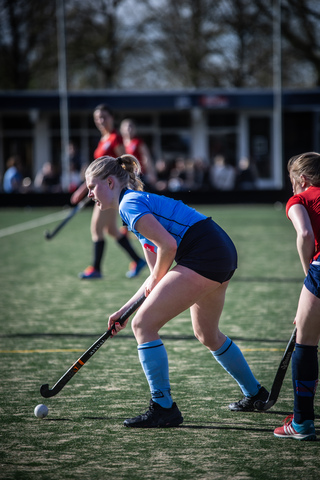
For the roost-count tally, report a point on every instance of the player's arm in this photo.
(150, 228)
(119, 150)
(79, 194)
(147, 162)
(151, 260)
(158, 263)
(305, 236)
(82, 191)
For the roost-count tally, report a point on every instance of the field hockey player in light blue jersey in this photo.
(205, 260)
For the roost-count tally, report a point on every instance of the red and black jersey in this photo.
(310, 199)
(108, 146)
(134, 147)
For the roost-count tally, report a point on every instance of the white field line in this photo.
(37, 222)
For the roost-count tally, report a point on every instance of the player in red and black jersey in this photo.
(102, 223)
(303, 209)
(135, 146)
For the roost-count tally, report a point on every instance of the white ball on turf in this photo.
(41, 411)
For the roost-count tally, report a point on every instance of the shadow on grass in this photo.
(130, 336)
(184, 426)
(194, 426)
(189, 426)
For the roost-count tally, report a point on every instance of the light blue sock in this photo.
(154, 360)
(305, 427)
(232, 360)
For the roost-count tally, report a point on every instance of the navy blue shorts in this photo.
(312, 280)
(208, 250)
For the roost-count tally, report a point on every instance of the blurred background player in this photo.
(48, 179)
(303, 209)
(134, 145)
(137, 147)
(12, 179)
(102, 223)
(222, 174)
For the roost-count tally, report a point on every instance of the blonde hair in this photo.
(125, 168)
(307, 164)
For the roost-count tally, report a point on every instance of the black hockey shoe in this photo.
(156, 416)
(247, 404)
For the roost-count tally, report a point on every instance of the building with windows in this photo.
(235, 124)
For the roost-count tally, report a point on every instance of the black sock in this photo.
(98, 249)
(124, 243)
(304, 379)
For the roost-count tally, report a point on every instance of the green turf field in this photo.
(49, 318)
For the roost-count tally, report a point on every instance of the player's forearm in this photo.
(165, 258)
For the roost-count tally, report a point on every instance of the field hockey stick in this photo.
(278, 379)
(47, 392)
(48, 235)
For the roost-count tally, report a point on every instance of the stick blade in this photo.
(45, 391)
(263, 406)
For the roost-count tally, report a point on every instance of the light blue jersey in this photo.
(174, 215)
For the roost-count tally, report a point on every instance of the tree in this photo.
(99, 43)
(27, 44)
(247, 60)
(159, 43)
(300, 40)
(200, 43)
(300, 28)
(183, 38)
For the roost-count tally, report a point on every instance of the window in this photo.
(222, 120)
(175, 120)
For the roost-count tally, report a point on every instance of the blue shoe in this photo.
(134, 272)
(89, 273)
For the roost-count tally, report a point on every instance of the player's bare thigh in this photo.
(104, 222)
(175, 293)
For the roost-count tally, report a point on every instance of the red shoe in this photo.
(89, 273)
(135, 268)
(306, 430)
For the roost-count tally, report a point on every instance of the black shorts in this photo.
(312, 280)
(208, 250)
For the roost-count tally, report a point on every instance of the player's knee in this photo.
(114, 233)
(142, 328)
(136, 325)
(211, 340)
(96, 237)
(200, 336)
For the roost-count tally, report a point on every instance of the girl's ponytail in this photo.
(126, 168)
(132, 166)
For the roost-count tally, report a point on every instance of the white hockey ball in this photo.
(41, 411)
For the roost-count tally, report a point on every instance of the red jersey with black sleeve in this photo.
(310, 199)
(108, 146)
(105, 147)
(134, 148)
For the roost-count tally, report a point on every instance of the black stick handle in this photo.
(71, 214)
(281, 373)
(283, 367)
(46, 392)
